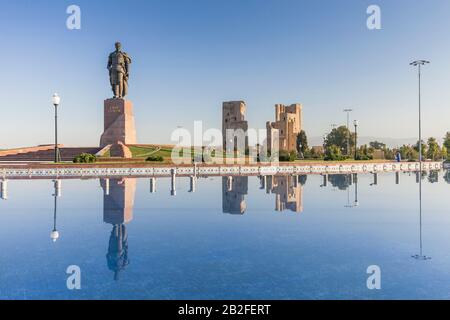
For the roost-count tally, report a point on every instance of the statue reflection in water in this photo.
(118, 202)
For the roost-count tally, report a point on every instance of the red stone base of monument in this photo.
(118, 125)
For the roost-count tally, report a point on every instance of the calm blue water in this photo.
(228, 240)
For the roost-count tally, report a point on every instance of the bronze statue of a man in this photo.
(119, 67)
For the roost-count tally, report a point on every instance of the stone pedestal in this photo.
(118, 123)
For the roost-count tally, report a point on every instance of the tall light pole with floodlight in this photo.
(56, 100)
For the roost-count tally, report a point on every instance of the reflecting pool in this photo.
(272, 237)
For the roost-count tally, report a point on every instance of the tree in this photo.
(364, 153)
(302, 143)
(316, 153)
(377, 145)
(444, 152)
(390, 153)
(433, 150)
(424, 149)
(447, 141)
(339, 137)
(333, 153)
(408, 152)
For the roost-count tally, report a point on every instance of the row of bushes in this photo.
(333, 153)
(155, 158)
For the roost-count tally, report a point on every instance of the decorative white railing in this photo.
(222, 170)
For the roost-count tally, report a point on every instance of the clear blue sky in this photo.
(189, 56)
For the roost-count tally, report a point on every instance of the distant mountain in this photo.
(390, 142)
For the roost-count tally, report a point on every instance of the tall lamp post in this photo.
(56, 99)
(419, 64)
(348, 129)
(355, 123)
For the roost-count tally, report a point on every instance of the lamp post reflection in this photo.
(4, 190)
(192, 184)
(325, 181)
(375, 179)
(352, 180)
(262, 182)
(153, 185)
(54, 235)
(173, 182)
(420, 255)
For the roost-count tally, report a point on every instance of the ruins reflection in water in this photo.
(288, 192)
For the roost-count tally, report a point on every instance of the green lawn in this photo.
(142, 152)
(145, 151)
